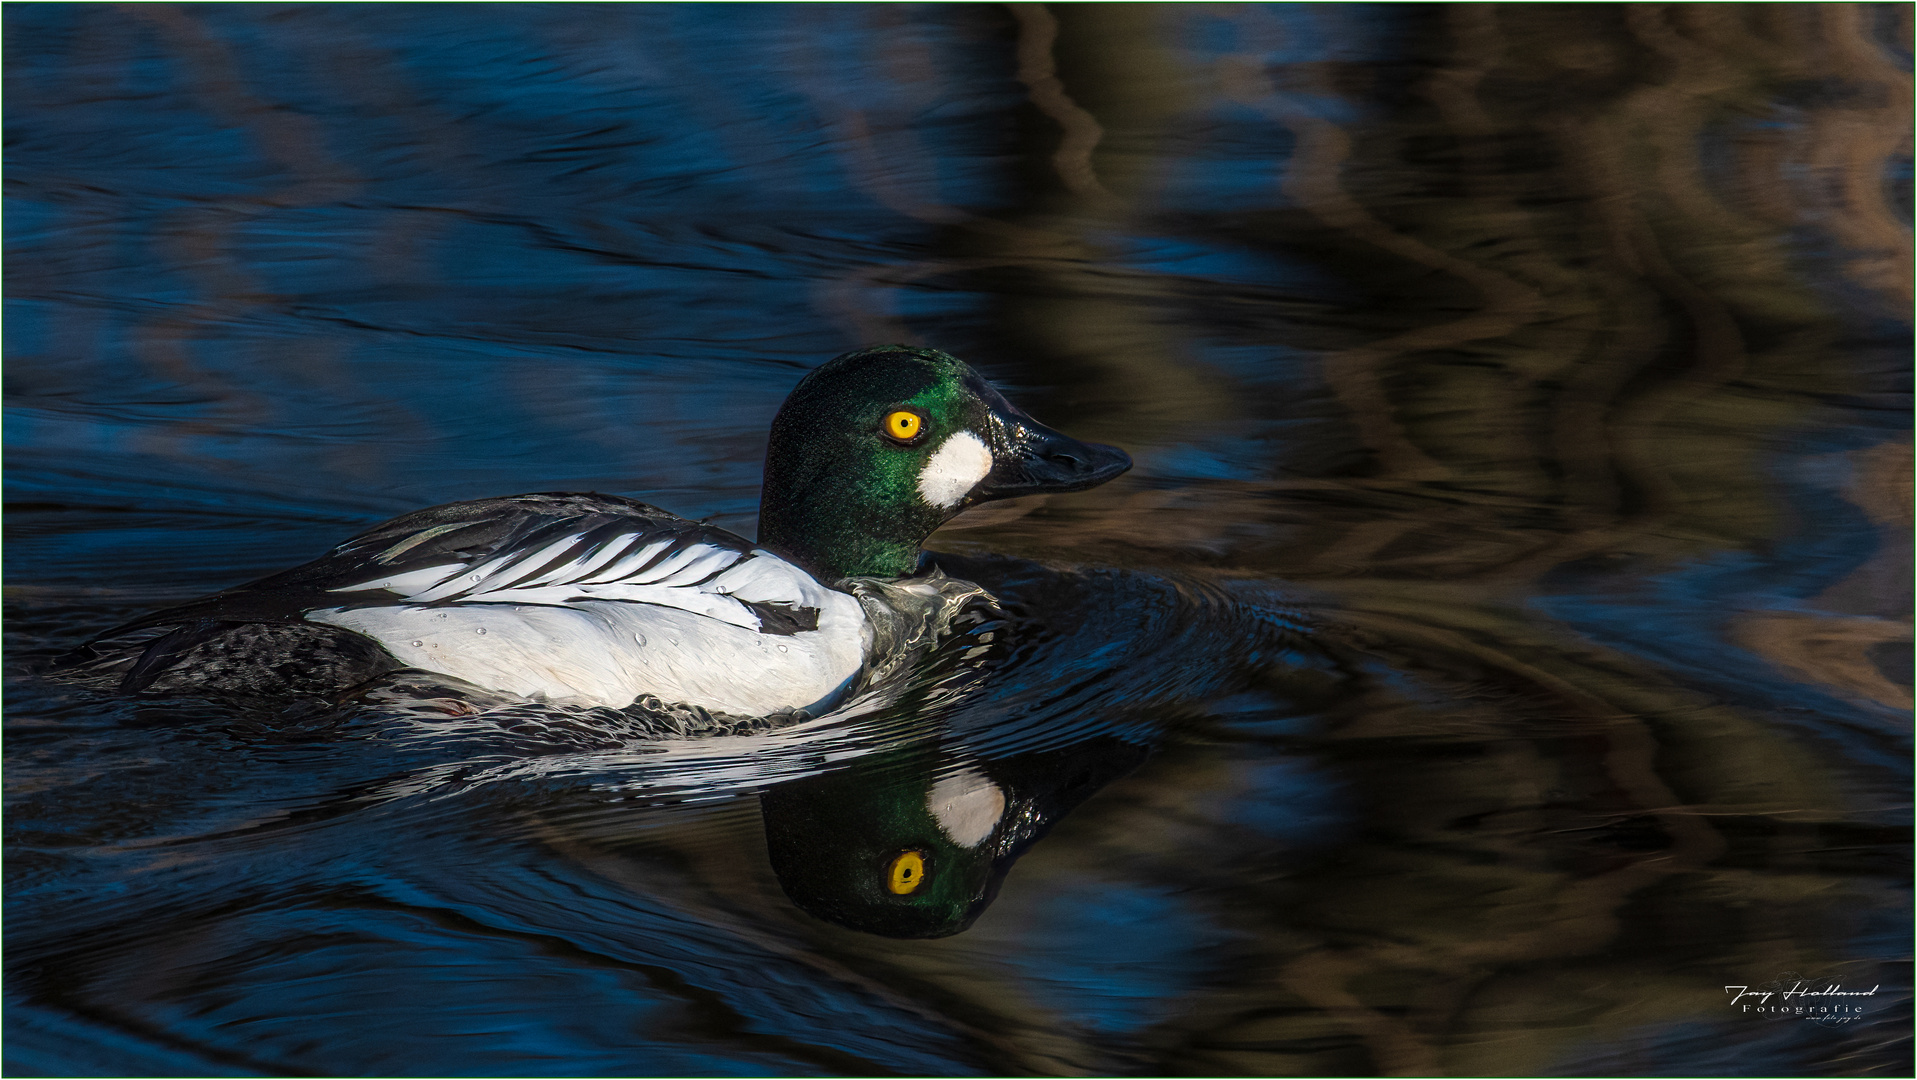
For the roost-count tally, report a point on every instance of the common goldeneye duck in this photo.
(596, 600)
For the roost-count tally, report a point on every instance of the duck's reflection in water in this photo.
(915, 843)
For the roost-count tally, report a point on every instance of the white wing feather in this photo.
(486, 581)
(629, 563)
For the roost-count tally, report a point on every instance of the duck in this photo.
(598, 600)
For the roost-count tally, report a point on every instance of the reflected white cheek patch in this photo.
(954, 469)
(967, 806)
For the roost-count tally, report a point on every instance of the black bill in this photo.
(1030, 458)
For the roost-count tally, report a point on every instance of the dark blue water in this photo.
(1501, 647)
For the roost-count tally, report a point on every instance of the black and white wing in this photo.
(526, 549)
(543, 549)
(596, 557)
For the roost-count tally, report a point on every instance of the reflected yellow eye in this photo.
(908, 870)
(902, 425)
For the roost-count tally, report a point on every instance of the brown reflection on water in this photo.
(1607, 222)
(1110, 87)
(1066, 309)
(1634, 338)
(1835, 645)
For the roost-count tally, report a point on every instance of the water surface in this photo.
(1502, 645)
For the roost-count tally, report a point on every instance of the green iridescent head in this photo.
(875, 449)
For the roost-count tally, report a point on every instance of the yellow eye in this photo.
(908, 870)
(902, 425)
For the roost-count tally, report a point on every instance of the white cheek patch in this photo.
(967, 806)
(954, 469)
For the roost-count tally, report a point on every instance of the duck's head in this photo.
(877, 448)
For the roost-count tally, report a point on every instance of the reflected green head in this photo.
(896, 848)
